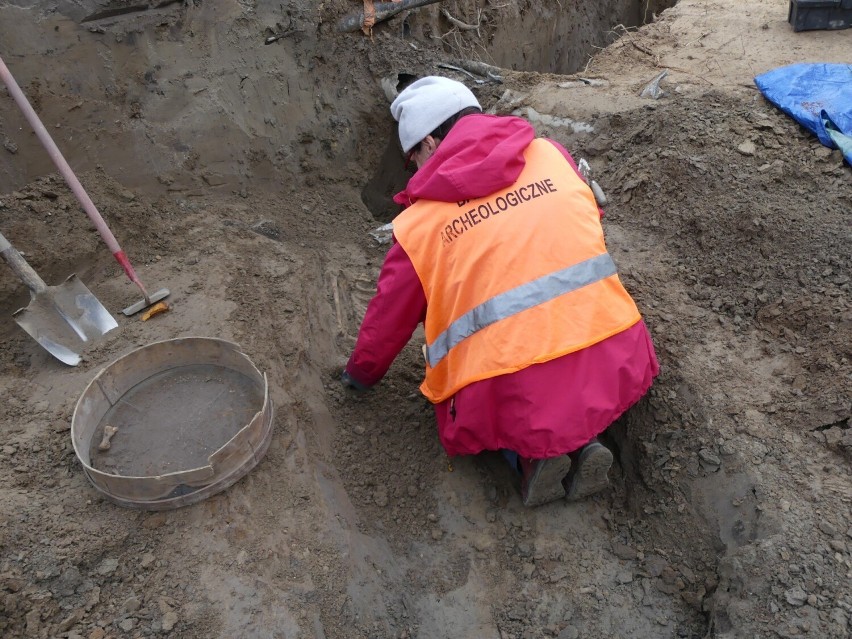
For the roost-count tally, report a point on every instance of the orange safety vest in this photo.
(516, 278)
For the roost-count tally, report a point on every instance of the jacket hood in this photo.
(481, 154)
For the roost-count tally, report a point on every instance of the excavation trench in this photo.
(247, 177)
(556, 38)
(703, 514)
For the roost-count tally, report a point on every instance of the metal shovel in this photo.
(60, 318)
(80, 193)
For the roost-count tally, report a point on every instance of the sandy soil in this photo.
(246, 177)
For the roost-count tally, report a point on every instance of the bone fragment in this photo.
(109, 431)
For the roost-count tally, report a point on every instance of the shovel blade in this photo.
(64, 318)
(81, 309)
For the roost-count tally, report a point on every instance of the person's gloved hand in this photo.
(350, 382)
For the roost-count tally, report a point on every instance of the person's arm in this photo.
(392, 315)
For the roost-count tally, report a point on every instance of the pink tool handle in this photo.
(128, 269)
(68, 174)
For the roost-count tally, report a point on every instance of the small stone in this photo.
(833, 436)
(569, 633)
(381, 497)
(33, 619)
(747, 148)
(97, 633)
(694, 598)
(147, 560)
(164, 605)
(558, 574)
(481, 543)
(170, 619)
(131, 605)
(60, 426)
(437, 534)
(838, 545)
(70, 621)
(128, 624)
(668, 575)
(796, 596)
(68, 582)
(828, 529)
(709, 458)
(624, 577)
(654, 565)
(107, 566)
(727, 449)
(94, 598)
(623, 551)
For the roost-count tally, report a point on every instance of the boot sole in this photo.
(591, 471)
(545, 485)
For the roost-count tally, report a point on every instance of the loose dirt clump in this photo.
(247, 177)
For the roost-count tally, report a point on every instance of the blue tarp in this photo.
(818, 96)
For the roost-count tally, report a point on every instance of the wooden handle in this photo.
(18, 264)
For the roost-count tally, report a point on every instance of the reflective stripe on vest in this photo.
(519, 299)
(515, 278)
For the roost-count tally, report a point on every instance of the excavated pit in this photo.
(561, 39)
(541, 38)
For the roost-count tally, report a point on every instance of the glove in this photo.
(350, 382)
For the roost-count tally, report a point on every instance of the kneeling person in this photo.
(533, 346)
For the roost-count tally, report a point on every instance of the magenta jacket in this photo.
(543, 410)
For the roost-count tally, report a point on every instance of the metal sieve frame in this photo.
(181, 488)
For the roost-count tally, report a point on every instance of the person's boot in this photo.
(589, 470)
(541, 479)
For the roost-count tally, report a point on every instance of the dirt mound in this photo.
(247, 177)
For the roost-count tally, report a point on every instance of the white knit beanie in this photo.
(426, 104)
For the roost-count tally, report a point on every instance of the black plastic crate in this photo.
(806, 15)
